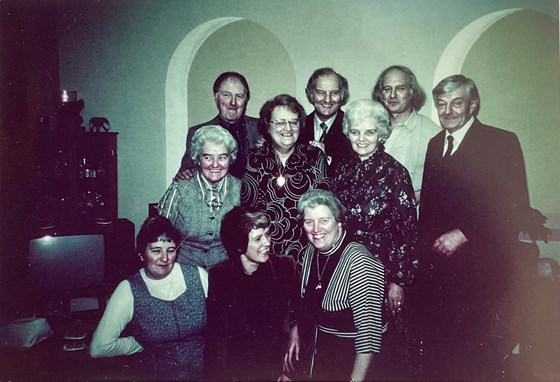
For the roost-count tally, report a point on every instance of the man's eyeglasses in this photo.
(282, 124)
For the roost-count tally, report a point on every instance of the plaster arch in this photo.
(454, 55)
(219, 45)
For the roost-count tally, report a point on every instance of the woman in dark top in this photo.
(378, 194)
(282, 170)
(248, 304)
(340, 316)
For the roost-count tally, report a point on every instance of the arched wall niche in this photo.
(225, 44)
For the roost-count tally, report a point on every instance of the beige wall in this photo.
(519, 84)
(116, 54)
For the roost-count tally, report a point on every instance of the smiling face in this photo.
(214, 161)
(231, 100)
(455, 109)
(284, 137)
(159, 259)
(320, 226)
(258, 246)
(326, 98)
(364, 138)
(396, 92)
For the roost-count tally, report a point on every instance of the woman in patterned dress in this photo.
(378, 194)
(282, 170)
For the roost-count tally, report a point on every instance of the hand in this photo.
(292, 350)
(320, 145)
(450, 242)
(260, 143)
(185, 174)
(396, 298)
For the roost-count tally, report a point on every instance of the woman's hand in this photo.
(283, 378)
(395, 297)
(292, 350)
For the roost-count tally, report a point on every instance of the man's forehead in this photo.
(396, 75)
(327, 81)
(232, 84)
(457, 94)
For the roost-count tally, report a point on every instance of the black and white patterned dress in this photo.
(381, 214)
(305, 170)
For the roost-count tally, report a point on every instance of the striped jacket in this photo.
(357, 283)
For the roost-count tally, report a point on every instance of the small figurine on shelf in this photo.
(98, 123)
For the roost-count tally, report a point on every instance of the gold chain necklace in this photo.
(320, 275)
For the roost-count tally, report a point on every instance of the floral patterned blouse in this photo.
(260, 190)
(381, 211)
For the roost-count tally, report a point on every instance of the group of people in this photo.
(355, 245)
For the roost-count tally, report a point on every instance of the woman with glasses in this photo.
(282, 170)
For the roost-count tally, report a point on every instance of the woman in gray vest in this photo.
(196, 206)
(158, 314)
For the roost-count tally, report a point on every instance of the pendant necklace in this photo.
(320, 275)
(280, 180)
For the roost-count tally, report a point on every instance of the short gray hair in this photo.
(454, 82)
(212, 134)
(362, 109)
(317, 197)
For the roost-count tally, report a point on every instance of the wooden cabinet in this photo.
(75, 178)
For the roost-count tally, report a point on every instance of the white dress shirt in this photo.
(408, 144)
(318, 130)
(458, 136)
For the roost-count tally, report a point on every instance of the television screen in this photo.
(61, 265)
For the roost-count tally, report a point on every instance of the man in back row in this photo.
(231, 94)
(397, 88)
(327, 91)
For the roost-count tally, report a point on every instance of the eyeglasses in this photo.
(282, 124)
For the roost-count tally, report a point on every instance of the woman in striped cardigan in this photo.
(340, 317)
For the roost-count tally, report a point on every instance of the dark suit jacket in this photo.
(253, 136)
(337, 145)
(479, 190)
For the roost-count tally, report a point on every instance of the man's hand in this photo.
(260, 143)
(185, 174)
(450, 242)
(320, 145)
(395, 297)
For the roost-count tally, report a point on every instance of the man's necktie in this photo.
(449, 147)
(324, 127)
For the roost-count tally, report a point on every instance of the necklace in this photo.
(320, 275)
(280, 180)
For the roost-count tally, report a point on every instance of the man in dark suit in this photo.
(231, 94)
(474, 192)
(327, 91)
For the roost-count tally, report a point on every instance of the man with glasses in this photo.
(231, 94)
(327, 91)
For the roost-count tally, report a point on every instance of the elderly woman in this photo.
(342, 290)
(377, 192)
(161, 309)
(282, 170)
(248, 302)
(196, 206)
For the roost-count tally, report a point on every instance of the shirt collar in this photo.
(328, 122)
(459, 135)
(410, 121)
